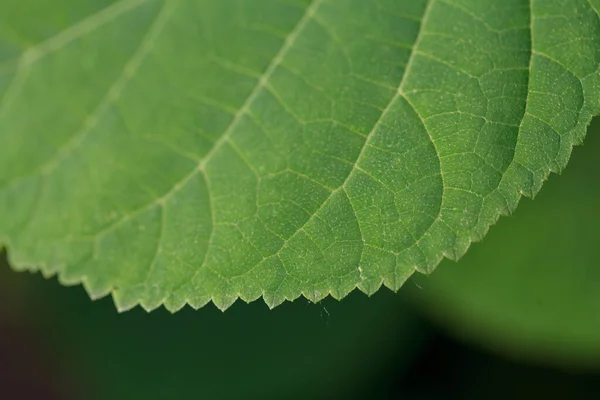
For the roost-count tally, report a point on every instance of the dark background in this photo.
(57, 344)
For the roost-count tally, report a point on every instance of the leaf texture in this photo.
(183, 151)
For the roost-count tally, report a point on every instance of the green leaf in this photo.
(530, 290)
(183, 151)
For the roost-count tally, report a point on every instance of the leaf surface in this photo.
(183, 151)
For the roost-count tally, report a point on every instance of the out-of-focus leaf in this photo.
(532, 287)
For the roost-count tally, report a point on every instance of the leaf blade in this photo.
(309, 148)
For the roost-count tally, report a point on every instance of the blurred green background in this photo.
(518, 317)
